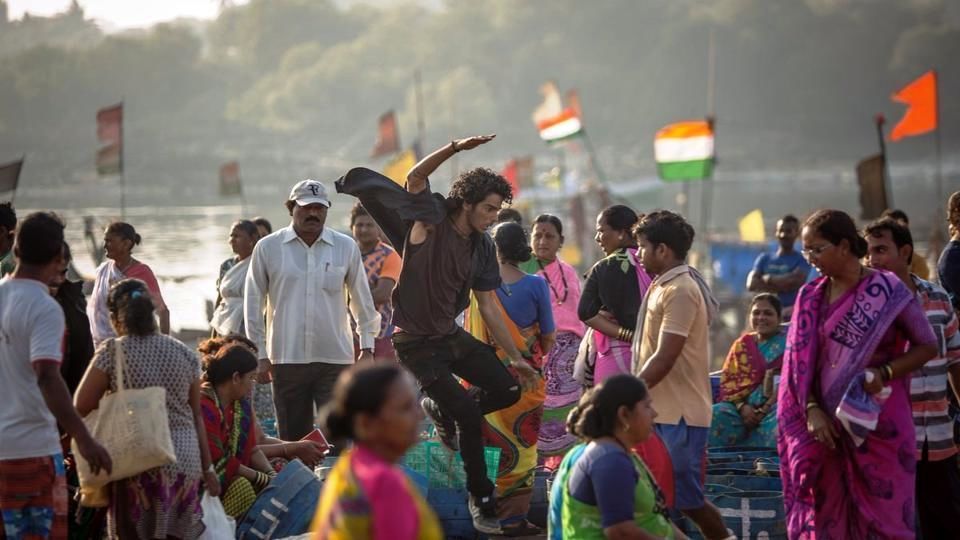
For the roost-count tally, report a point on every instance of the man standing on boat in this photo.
(298, 275)
(784, 271)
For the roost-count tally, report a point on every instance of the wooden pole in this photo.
(123, 166)
(936, 90)
(887, 186)
(418, 97)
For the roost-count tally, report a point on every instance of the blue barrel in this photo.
(715, 386)
(539, 503)
(746, 482)
(450, 504)
(753, 514)
(745, 470)
(723, 454)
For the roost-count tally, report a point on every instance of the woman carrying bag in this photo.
(163, 502)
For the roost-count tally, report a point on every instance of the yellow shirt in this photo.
(918, 266)
(675, 305)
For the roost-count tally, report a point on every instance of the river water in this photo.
(184, 245)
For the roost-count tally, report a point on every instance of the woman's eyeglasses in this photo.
(815, 251)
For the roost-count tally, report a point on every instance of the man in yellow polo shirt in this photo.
(670, 352)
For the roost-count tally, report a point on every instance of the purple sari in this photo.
(850, 492)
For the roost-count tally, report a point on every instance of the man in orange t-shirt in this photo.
(382, 264)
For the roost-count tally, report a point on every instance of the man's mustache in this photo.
(313, 219)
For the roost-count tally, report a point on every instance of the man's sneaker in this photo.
(483, 511)
(446, 427)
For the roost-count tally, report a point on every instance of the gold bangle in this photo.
(887, 371)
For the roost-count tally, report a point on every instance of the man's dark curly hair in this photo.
(475, 185)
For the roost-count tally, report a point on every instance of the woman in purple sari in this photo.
(846, 439)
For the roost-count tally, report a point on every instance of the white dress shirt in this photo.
(303, 291)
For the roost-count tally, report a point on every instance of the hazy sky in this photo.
(122, 13)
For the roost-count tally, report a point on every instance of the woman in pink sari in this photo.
(846, 439)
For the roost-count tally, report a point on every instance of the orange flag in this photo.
(920, 96)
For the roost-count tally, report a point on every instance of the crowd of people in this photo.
(450, 307)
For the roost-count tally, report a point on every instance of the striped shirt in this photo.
(929, 384)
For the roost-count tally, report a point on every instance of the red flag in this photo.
(110, 134)
(230, 179)
(920, 96)
(388, 137)
(510, 174)
(519, 173)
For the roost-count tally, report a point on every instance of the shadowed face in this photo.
(483, 215)
(365, 230)
(309, 219)
(396, 425)
(883, 254)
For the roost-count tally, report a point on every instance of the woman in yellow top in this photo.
(366, 495)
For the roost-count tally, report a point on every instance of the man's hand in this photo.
(527, 375)
(265, 371)
(366, 355)
(472, 142)
(96, 455)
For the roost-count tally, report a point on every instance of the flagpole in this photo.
(936, 95)
(706, 188)
(418, 95)
(123, 174)
(592, 154)
(887, 186)
(13, 196)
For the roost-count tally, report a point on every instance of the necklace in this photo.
(503, 284)
(563, 278)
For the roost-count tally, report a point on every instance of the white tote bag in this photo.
(132, 425)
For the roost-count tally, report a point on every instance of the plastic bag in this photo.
(219, 526)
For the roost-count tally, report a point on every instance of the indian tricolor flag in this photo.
(562, 126)
(684, 151)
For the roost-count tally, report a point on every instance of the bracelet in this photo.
(453, 145)
(886, 372)
(812, 405)
(261, 481)
(624, 334)
(284, 448)
(211, 469)
(740, 405)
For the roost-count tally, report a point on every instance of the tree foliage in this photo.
(295, 86)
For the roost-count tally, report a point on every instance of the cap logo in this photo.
(313, 189)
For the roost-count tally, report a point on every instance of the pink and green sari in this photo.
(514, 430)
(850, 492)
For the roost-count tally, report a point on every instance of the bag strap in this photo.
(119, 359)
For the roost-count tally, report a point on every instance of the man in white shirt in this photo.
(33, 489)
(299, 276)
